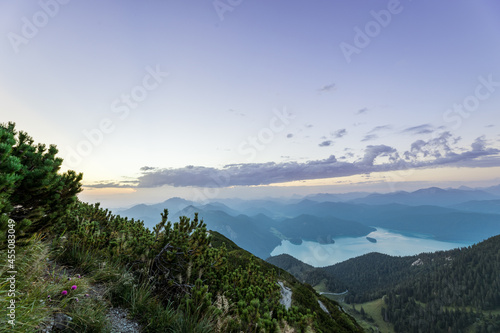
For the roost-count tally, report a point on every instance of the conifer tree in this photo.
(32, 191)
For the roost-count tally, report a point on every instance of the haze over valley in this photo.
(324, 229)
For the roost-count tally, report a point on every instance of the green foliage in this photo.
(104, 234)
(306, 313)
(181, 255)
(38, 293)
(32, 192)
(468, 280)
(29, 265)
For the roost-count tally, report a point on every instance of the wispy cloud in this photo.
(369, 137)
(108, 184)
(362, 111)
(327, 88)
(339, 133)
(420, 129)
(381, 128)
(236, 112)
(326, 143)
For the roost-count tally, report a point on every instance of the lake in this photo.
(388, 242)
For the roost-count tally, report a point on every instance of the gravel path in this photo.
(286, 295)
(120, 323)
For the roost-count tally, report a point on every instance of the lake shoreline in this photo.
(388, 242)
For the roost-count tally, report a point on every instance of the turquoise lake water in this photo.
(388, 242)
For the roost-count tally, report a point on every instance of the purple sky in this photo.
(252, 98)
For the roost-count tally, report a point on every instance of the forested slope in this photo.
(430, 292)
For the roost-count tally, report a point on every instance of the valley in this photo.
(324, 229)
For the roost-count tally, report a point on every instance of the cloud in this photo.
(381, 128)
(289, 135)
(123, 184)
(420, 129)
(434, 148)
(326, 143)
(339, 133)
(237, 113)
(327, 88)
(433, 153)
(372, 152)
(369, 137)
(362, 111)
(479, 144)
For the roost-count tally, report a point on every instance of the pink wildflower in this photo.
(73, 287)
(64, 292)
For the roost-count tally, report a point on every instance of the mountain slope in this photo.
(150, 214)
(252, 234)
(290, 264)
(321, 229)
(304, 298)
(426, 292)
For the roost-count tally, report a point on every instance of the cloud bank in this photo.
(436, 152)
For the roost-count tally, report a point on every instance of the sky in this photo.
(235, 98)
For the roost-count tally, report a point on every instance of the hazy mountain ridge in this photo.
(247, 232)
(429, 196)
(260, 225)
(483, 206)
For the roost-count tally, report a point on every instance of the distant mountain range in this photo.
(429, 196)
(465, 215)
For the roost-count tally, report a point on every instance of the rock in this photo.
(418, 262)
(286, 295)
(323, 307)
(120, 323)
(61, 322)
